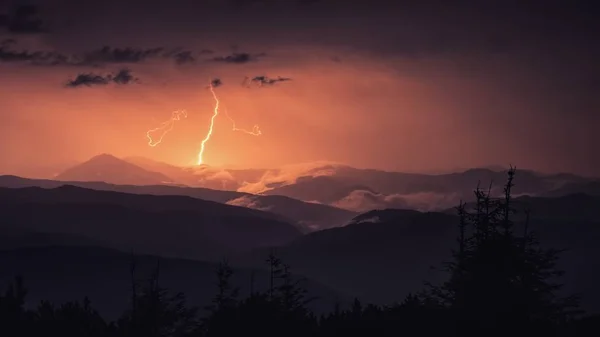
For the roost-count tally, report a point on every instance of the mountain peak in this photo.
(104, 157)
(110, 169)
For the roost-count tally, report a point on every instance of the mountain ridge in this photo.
(167, 225)
(306, 215)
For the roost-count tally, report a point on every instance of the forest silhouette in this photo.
(500, 283)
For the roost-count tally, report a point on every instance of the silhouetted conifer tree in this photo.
(14, 319)
(226, 293)
(156, 313)
(498, 279)
(278, 312)
(71, 319)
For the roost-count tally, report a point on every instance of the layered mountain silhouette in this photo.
(201, 176)
(380, 256)
(363, 189)
(383, 255)
(306, 216)
(165, 225)
(586, 187)
(340, 186)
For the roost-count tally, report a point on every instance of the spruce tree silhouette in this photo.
(222, 310)
(14, 319)
(279, 311)
(501, 282)
(156, 313)
(227, 294)
(70, 319)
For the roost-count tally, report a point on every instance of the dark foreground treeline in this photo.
(501, 283)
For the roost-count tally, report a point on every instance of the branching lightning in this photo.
(177, 115)
(212, 123)
(255, 129)
(164, 128)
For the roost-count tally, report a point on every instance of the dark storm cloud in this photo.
(216, 82)
(40, 58)
(410, 28)
(87, 79)
(263, 81)
(184, 57)
(7, 42)
(23, 19)
(112, 55)
(95, 58)
(270, 2)
(122, 77)
(109, 54)
(238, 58)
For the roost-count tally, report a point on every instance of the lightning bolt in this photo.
(210, 129)
(165, 127)
(255, 129)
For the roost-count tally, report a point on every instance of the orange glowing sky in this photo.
(350, 100)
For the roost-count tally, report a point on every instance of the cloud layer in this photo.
(95, 58)
(122, 77)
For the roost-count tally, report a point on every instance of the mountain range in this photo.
(177, 226)
(50, 228)
(303, 215)
(332, 184)
(380, 256)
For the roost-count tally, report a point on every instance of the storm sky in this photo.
(409, 86)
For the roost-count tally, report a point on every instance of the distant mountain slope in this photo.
(323, 189)
(586, 187)
(62, 274)
(113, 170)
(361, 190)
(201, 176)
(166, 225)
(308, 216)
(16, 237)
(384, 255)
(574, 207)
(379, 261)
(365, 189)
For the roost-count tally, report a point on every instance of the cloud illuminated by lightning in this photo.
(164, 128)
(212, 123)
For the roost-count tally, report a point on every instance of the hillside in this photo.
(307, 216)
(384, 255)
(200, 176)
(574, 207)
(362, 190)
(61, 274)
(587, 187)
(165, 225)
